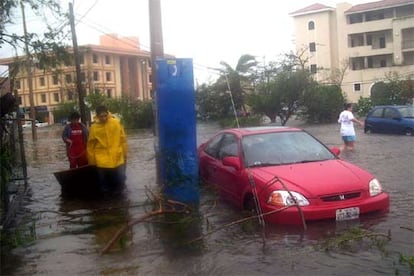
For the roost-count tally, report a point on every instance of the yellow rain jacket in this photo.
(107, 145)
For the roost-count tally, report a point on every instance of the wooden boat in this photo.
(79, 182)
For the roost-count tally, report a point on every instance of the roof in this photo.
(312, 9)
(93, 48)
(378, 5)
(114, 50)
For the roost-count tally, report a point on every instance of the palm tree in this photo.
(238, 80)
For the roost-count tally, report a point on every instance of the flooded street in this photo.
(69, 234)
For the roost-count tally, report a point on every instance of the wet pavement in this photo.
(67, 235)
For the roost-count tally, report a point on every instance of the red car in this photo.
(285, 168)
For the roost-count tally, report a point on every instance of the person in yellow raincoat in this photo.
(107, 150)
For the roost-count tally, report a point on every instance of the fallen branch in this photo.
(239, 221)
(162, 210)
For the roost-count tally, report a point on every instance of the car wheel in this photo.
(250, 205)
(409, 131)
(367, 129)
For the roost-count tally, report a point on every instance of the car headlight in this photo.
(283, 198)
(374, 187)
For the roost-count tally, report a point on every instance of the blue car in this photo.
(396, 119)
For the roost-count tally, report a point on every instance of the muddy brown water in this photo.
(68, 234)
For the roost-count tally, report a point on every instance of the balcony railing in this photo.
(408, 44)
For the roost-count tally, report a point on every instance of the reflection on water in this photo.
(71, 233)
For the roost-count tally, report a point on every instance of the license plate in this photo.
(346, 214)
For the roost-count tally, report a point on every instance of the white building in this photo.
(363, 43)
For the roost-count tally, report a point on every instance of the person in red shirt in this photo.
(75, 135)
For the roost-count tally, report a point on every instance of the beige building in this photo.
(357, 46)
(116, 67)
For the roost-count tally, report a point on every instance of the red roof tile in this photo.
(312, 8)
(378, 5)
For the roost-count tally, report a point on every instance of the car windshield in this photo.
(407, 111)
(279, 148)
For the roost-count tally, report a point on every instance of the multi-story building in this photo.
(357, 46)
(116, 67)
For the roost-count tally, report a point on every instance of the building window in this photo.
(67, 62)
(369, 40)
(357, 87)
(95, 58)
(383, 63)
(382, 42)
(357, 63)
(42, 81)
(370, 62)
(83, 77)
(355, 18)
(95, 76)
(108, 76)
(70, 95)
(107, 60)
(312, 47)
(55, 80)
(68, 78)
(313, 68)
(43, 98)
(311, 25)
(56, 97)
(17, 84)
(109, 93)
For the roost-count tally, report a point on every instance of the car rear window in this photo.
(407, 112)
(377, 113)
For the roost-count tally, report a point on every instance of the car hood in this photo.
(316, 178)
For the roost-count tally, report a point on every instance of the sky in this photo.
(208, 31)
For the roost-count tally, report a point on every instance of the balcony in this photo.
(369, 26)
(368, 50)
(407, 45)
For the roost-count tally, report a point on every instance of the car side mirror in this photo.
(335, 150)
(232, 161)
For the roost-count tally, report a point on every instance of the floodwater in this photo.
(68, 235)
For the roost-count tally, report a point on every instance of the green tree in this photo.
(292, 85)
(238, 80)
(47, 48)
(322, 104)
(394, 90)
(62, 111)
(266, 100)
(213, 102)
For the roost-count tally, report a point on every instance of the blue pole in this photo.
(176, 119)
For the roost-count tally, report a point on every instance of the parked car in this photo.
(397, 119)
(284, 166)
(28, 124)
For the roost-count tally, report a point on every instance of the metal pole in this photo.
(29, 69)
(79, 87)
(157, 50)
(157, 46)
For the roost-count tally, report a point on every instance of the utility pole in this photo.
(157, 46)
(29, 69)
(157, 50)
(79, 86)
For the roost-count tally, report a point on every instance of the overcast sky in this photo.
(208, 31)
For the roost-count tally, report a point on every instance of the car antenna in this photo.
(232, 102)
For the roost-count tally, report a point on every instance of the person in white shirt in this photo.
(347, 120)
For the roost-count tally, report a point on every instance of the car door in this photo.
(209, 160)
(391, 121)
(227, 177)
(375, 119)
